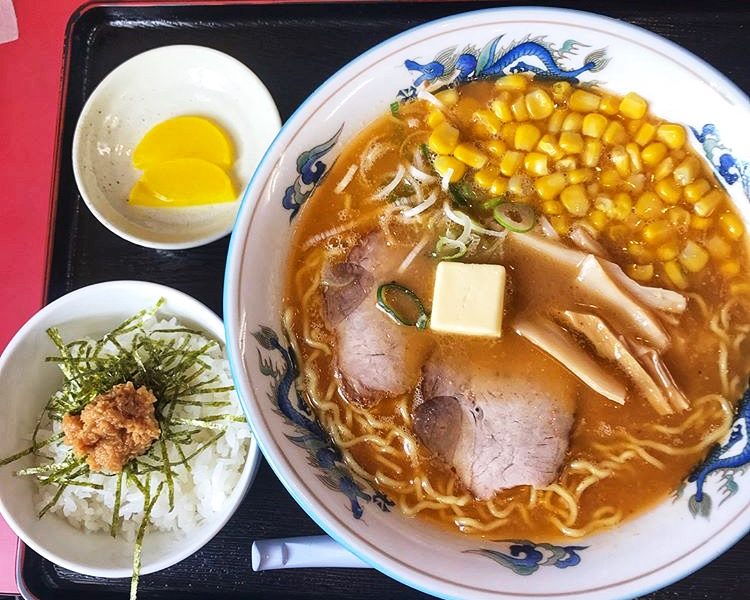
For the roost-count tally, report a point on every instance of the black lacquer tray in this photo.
(292, 48)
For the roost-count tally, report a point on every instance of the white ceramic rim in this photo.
(89, 106)
(653, 579)
(191, 544)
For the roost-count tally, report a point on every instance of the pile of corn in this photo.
(579, 155)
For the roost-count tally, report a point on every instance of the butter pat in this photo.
(468, 299)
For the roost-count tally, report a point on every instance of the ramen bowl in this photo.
(657, 547)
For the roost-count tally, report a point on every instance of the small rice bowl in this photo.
(199, 492)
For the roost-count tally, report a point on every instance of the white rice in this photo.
(199, 494)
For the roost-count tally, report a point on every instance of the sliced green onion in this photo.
(462, 193)
(422, 319)
(515, 216)
(445, 244)
(394, 108)
(493, 202)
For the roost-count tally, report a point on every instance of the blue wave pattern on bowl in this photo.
(310, 171)
(493, 61)
(322, 454)
(722, 159)
(544, 59)
(524, 557)
(723, 460)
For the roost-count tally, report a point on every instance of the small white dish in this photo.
(149, 88)
(29, 381)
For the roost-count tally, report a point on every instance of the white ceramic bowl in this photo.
(27, 382)
(645, 553)
(153, 86)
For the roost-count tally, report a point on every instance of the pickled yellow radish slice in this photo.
(183, 182)
(184, 137)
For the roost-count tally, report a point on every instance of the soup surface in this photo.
(585, 175)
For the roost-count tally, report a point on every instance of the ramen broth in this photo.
(615, 465)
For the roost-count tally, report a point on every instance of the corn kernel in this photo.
(535, 163)
(488, 120)
(632, 126)
(706, 206)
(640, 253)
(580, 175)
(732, 226)
(653, 154)
(571, 142)
(448, 97)
(549, 146)
(549, 186)
(696, 190)
(718, 247)
(622, 205)
(672, 134)
(561, 90)
(470, 155)
(555, 123)
(517, 185)
(575, 200)
(552, 207)
(693, 257)
(511, 162)
(668, 251)
(598, 219)
(515, 82)
(669, 191)
(508, 133)
(566, 164)
(499, 186)
(640, 272)
(527, 136)
(485, 177)
(648, 205)
(618, 232)
(610, 178)
(664, 169)
(730, 268)
(443, 139)
(634, 152)
(658, 232)
(620, 160)
(502, 111)
(686, 172)
(434, 118)
(674, 272)
(614, 133)
(700, 223)
(496, 147)
(572, 122)
(518, 108)
(560, 223)
(636, 182)
(633, 106)
(443, 164)
(593, 125)
(645, 134)
(679, 217)
(538, 104)
(591, 153)
(609, 105)
(583, 101)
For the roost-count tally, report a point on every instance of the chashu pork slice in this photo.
(375, 356)
(496, 431)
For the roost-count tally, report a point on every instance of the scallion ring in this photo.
(515, 216)
(420, 322)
